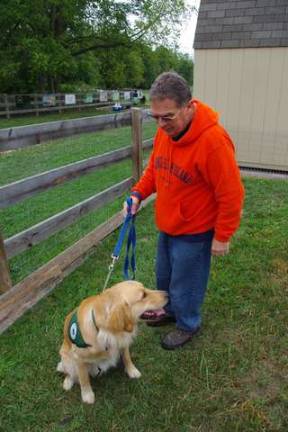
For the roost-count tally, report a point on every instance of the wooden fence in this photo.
(15, 300)
(37, 103)
(21, 136)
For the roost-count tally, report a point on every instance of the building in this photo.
(241, 69)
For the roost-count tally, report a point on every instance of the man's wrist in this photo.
(136, 195)
(221, 239)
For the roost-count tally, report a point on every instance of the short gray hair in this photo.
(171, 85)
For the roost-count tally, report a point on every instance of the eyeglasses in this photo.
(166, 117)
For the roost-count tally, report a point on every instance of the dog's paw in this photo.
(133, 372)
(60, 367)
(88, 396)
(68, 383)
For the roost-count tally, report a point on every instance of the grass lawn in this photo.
(31, 160)
(49, 117)
(231, 378)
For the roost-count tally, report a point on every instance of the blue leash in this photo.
(130, 260)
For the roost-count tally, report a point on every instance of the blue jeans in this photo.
(182, 269)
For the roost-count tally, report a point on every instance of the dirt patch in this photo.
(265, 381)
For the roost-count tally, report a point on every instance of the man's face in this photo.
(170, 117)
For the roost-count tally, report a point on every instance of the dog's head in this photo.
(105, 319)
(129, 300)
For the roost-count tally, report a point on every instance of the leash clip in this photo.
(114, 259)
(110, 268)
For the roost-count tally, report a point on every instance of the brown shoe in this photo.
(177, 338)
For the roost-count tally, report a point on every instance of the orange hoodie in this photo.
(196, 178)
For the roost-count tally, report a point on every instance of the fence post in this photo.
(5, 279)
(36, 105)
(59, 102)
(137, 157)
(7, 106)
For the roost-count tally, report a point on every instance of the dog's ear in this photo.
(121, 319)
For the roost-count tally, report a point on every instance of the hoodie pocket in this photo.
(185, 211)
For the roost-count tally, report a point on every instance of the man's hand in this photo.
(219, 248)
(134, 208)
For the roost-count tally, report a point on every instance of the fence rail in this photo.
(37, 233)
(15, 300)
(22, 136)
(22, 189)
(5, 279)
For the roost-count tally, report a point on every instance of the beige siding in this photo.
(249, 89)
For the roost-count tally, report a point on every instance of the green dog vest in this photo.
(74, 332)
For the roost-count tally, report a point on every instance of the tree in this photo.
(112, 69)
(43, 42)
(150, 63)
(185, 67)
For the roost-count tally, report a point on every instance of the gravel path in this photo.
(264, 174)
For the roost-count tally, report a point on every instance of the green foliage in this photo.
(185, 67)
(134, 69)
(167, 59)
(54, 45)
(34, 37)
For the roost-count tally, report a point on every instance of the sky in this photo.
(188, 30)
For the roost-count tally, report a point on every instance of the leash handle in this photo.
(130, 261)
(129, 203)
(124, 229)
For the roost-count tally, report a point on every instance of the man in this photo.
(198, 205)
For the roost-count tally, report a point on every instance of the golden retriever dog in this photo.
(101, 330)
